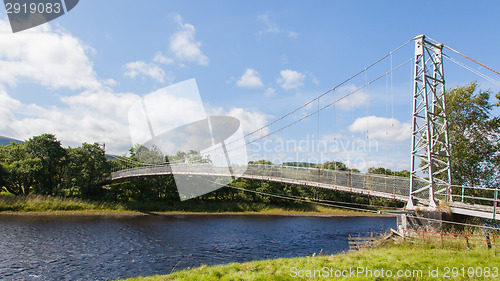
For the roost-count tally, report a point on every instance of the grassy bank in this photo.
(40, 203)
(37, 203)
(417, 262)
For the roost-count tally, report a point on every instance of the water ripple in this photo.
(105, 248)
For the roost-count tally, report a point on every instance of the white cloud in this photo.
(70, 126)
(315, 81)
(354, 98)
(291, 79)
(52, 58)
(381, 128)
(250, 79)
(251, 120)
(133, 69)
(8, 104)
(272, 28)
(184, 46)
(160, 58)
(270, 92)
(107, 103)
(87, 117)
(293, 34)
(284, 59)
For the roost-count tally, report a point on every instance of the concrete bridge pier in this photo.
(424, 220)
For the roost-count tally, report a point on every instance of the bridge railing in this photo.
(477, 196)
(372, 184)
(149, 170)
(321, 178)
(379, 183)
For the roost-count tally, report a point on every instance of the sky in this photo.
(78, 75)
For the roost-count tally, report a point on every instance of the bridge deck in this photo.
(388, 187)
(474, 210)
(395, 188)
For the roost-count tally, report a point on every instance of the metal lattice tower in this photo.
(430, 142)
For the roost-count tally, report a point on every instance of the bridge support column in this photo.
(430, 153)
(431, 221)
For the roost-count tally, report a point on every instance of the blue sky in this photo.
(256, 60)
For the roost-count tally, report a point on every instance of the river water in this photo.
(107, 247)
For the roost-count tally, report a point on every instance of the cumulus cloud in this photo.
(291, 79)
(270, 92)
(160, 58)
(381, 128)
(52, 58)
(271, 27)
(251, 120)
(184, 45)
(91, 111)
(70, 126)
(133, 69)
(8, 104)
(354, 98)
(114, 105)
(250, 79)
(91, 116)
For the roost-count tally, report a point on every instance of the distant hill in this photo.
(6, 140)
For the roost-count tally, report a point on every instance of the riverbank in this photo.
(48, 205)
(402, 261)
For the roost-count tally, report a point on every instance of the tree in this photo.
(388, 172)
(334, 165)
(474, 136)
(3, 176)
(18, 169)
(87, 169)
(261, 162)
(143, 154)
(299, 164)
(52, 156)
(380, 171)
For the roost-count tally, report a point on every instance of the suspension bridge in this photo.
(430, 182)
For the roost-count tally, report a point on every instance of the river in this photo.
(110, 247)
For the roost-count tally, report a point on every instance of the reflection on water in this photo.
(102, 247)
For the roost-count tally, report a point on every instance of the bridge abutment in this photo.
(422, 220)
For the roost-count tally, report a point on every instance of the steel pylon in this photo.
(430, 141)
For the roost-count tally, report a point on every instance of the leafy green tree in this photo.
(403, 173)
(143, 154)
(380, 171)
(474, 135)
(3, 176)
(18, 169)
(333, 165)
(87, 169)
(52, 156)
(299, 164)
(384, 171)
(261, 162)
(192, 156)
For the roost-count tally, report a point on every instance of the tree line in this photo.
(42, 166)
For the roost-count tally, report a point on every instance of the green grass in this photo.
(39, 203)
(238, 207)
(415, 260)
